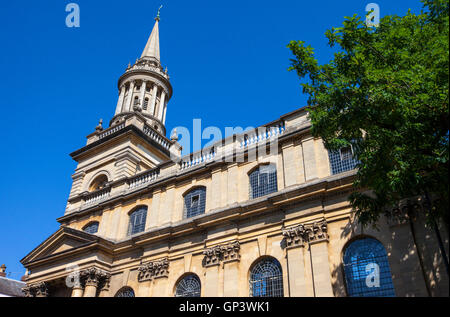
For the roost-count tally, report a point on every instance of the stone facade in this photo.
(305, 224)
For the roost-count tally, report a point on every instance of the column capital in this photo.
(221, 253)
(36, 290)
(306, 233)
(93, 276)
(154, 269)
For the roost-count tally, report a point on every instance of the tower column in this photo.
(162, 104)
(153, 102)
(130, 97)
(143, 87)
(120, 101)
(164, 113)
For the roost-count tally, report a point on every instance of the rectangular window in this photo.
(342, 160)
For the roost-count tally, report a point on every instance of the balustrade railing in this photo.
(97, 196)
(111, 131)
(143, 179)
(156, 137)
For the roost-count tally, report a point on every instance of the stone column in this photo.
(120, 101)
(318, 241)
(153, 101)
(158, 272)
(229, 255)
(77, 289)
(162, 104)
(164, 113)
(295, 258)
(90, 290)
(142, 96)
(104, 285)
(231, 260)
(128, 106)
(93, 278)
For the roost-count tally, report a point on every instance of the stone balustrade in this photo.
(110, 131)
(143, 179)
(97, 196)
(261, 135)
(156, 137)
(195, 159)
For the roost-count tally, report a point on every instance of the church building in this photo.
(262, 213)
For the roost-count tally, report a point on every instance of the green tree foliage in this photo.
(386, 93)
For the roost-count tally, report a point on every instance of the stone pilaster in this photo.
(228, 255)
(316, 237)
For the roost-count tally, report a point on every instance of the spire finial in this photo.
(158, 15)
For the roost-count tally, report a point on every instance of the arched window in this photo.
(366, 269)
(91, 228)
(263, 181)
(194, 202)
(145, 104)
(266, 279)
(342, 160)
(125, 292)
(136, 100)
(98, 183)
(137, 221)
(189, 286)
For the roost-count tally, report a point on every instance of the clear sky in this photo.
(227, 60)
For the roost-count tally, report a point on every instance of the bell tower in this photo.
(134, 145)
(145, 87)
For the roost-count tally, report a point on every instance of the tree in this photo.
(385, 93)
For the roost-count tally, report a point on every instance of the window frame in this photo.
(270, 181)
(136, 228)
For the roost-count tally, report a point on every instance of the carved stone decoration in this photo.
(231, 252)
(294, 236)
(225, 253)
(306, 233)
(36, 290)
(154, 269)
(94, 277)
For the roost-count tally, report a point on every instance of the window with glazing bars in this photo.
(342, 160)
(125, 292)
(189, 286)
(263, 181)
(137, 221)
(194, 202)
(364, 261)
(91, 228)
(266, 279)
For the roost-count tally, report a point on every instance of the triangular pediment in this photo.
(62, 241)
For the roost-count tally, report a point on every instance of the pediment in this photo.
(63, 240)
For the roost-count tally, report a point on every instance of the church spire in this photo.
(152, 47)
(144, 88)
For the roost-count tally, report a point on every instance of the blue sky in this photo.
(227, 60)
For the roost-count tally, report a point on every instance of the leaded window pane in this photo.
(189, 286)
(366, 269)
(91, 228)
(263, 181)
(125, 292)
(342, 160)
(194, 202)
(137, 221)
(266, 279)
